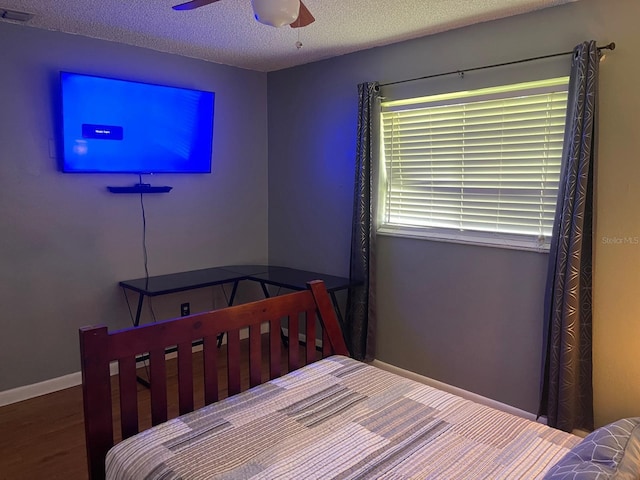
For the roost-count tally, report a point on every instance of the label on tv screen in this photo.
(106, 132)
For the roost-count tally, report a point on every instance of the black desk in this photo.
(289, 278)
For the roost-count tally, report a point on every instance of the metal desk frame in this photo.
(289, 278)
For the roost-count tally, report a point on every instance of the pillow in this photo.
(611, 452)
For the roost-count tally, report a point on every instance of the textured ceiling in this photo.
(225, 32)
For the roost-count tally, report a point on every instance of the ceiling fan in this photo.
(275, 13)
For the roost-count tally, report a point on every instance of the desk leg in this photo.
(136, 322)
(337, 309)
(265, 290)
(233, 293)
(229, 303)
(143, 381)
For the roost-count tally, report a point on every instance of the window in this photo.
(478, 166)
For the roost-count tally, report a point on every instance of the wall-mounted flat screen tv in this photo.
(119, 126)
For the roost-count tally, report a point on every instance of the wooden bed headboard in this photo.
(98, 348)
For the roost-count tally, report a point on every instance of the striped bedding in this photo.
(342, 419)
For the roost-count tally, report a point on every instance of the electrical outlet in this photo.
(185, 309)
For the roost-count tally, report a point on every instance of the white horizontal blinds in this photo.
(486, 165)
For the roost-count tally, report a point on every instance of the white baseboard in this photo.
(474, 397)
(52, 385)
(41, 388)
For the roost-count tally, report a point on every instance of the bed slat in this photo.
(158, 381)
(210, 359)
(128, 396)
(274, 349)
(255, 356)
(310, 330)
(185, 377)
(326, 345)
(233, 361)
(294, 339)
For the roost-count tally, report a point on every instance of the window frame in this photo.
(530, 242)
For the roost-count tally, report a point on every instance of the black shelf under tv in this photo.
(140, 188)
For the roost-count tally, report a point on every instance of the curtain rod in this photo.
(611, 46)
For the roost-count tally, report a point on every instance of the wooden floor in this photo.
(43, 438)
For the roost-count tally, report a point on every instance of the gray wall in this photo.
(466, 315)
(66, 241)
(469, 316)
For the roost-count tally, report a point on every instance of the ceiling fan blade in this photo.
(193, 4)
(304, 18)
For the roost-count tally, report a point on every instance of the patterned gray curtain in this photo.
(360, 325)
(567, 393)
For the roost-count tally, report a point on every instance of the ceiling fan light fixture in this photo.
(276, 13)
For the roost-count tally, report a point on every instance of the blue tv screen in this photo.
(119, 126)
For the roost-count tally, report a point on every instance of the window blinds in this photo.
(485, 161)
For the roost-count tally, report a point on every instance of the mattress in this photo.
(341, 419)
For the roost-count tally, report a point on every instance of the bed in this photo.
(321, 415)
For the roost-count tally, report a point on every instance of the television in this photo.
(119, 126)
